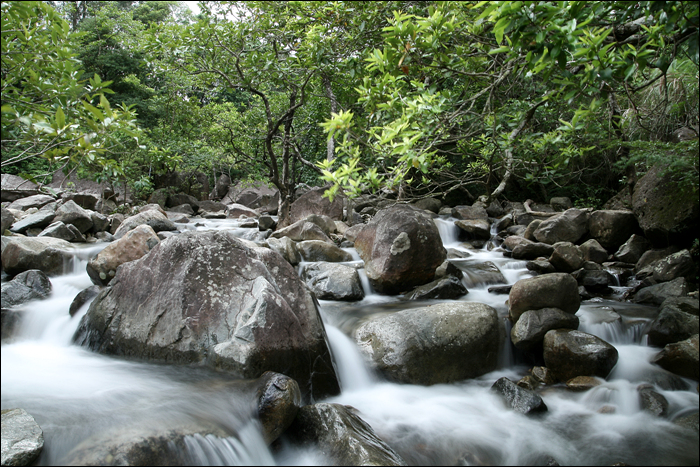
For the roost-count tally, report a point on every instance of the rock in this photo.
(583, 383)
(279, 400)
(22, 437)
(313, 202)
(234, 211)
(206, 297)
(159, 197)
(469, 213)
(656, 294)
(542, 375)
(222, 215)
(35, 201)
(500, 289)
(266, 223)
(286, 247)
(446, 269)
(85, 200)
(519, 399)
(25, 286)
(561, 203)
(475, 228)
(429, 204)
(317, 250)
(593, 251)
(672, 325)
(71, 213)
(540, 266)
(532, 250)
(446, 288)
(40, 219)
(100, 222)
(566, 257)
(530, 230)
(132, 246)
(682, 304)
(680, 358)
(44, 253)
(666, 214)
(401, 248)
(569, 353)
(651, 401)
(558, 290)
(513, 241)
(14, 188)
(689, 421)
(632, 249)
(569, 226)
(646, 262)
(481, 273)
(595, 281)
(324, 222)
(441, 343)
(528, 332)
(180, 199)
(153, 218)
(260, 197)
(301, 231)
(182, 209)
(612, 228)
(341, 436)
(82, 298)
(330, 281)
(679, 264)
(6, 221)
(64, 232)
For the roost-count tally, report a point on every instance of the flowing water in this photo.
(79, 397)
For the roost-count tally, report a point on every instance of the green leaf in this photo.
(60, 118)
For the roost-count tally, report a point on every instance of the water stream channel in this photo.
(77, 395)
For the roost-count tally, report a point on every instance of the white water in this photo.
(76, 395)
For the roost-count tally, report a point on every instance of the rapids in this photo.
(78, 396)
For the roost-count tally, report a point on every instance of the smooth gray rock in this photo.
(154, 218)
(656, 294)
(569, 353)
(593, 251)
(633, 249)
(680, 358)
(652, 401)
(25, 286)
(71, 213)
(14, 188)
(22, 438)
(235, 210)
(35, 201)
(569, 226)
(317, 250)
(558, 290)
(313, 202)
(672, 325)
(330, 281)
(40, 219)
(469, 213)
(612, 228)
(528, 333)
(301, 231)
(279, 400)
(676, 265)
(6, 220)
(82, 298)
(566, 257)
(532, 250)
(446, 288)
(44, 253)
(286, 247)
(60, 230)
(517, 398)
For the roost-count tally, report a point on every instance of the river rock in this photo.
(71, 213)
(154, 218)
(22, 438)
(324, 222)
(441, 343)
(69, 233)
(341, 436)
(656, 294)
(530, 230)
(234, 211)
(401, 248)
(221, 187)
(211, 206)
(532, 250)
(317, 250)
(680, 358)
(207, 297)
(672, 325)
(40, 219)
(612, 228)
(100, 222)
(512, 241)
(44, 253)
(540, 266)
(682, 304)
(679, 264)
(446, 288)
(632, 249)
(82, 298)
(85, 200)
(593, 251)
(475, 228)
(595, 281)
(6, 220)
(313, 202)
(569, 226)
(517, 398)
(651, 401)
(266, 223)
(645, 266)
(330, 281)
(529, 331)
(566, 257)
(286, 247)
(279, 400)
(570, 353)
(132, 246)
(35, 201)
(558, 290)
(180, 199)
(561, 203)
(14, 188)
(182, 209)
(25, 286)
(301, 231)
(583, 383)
(429, 204)
(260, 197)
(469, 213)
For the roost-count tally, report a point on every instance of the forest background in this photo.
(460, 100)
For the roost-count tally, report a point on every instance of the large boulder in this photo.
(286, 247)
(313, 202)
(666, 214)
(441, 343)
(444, 288)
(69, 232)
(279, 400)
(47, 254)
(401, 248)
(672, 325)
(317, 250)
(633, 249)
(22, 438)
(40, 219)
(260, 197)
(223, 183)
(612, 228)
(569, 226)
(532, 250)
(132, 246)
(469, 212)
(25, 286)
(341, 436)
(235, 210)
(70, 213)
(155, 218)
(528, 333)
(331, 281)
(207, 297)
(84, 200)
(673, 266)
(302, 230)
(570, 353)
(36, 201)
(593, 251)
(557, 290)
(14, 188)
(657, 293)
(566, 257)
(680, 358)
(476, 229)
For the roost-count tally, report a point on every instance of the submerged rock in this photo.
(680, 358)
(28, 285)
(517, 398)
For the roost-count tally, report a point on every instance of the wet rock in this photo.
(71, 213)
(612, 228)
(689, 421)
(65, 232)
(481, 273)
(500, 289)
(530, 230)
(44, 253)
(317, 250)
(518, 398)
(644, 267)
(566, 257)
(6, 220)
(680, 358)
(447, 268)
(401, 248)
(571, 353)
(211, 206)
(676, 265)
(429, 204)
(514, 240)
(35, 201)
(180, 199)
(672, 325)
(26, 286)
(236, 210)
(341, 436)
(529, 331)
(206, 297)
(40, 219)
(469, 213)
(313, 202)
(10, 321)
(446, 288)
(266, 223)
(279, 400)
(85, 200)
(324, 222)
(651, 401)
(532, 250)
(684, 304)
(82, 298)
(583, 383)
(132, 246)
(22, 438)
(152, 207)
(540, 266)
(260, 197)
(595, 281)
(153, 218)
(633, 249)
(593, 251)
(542, 375)
(569, 226)
(100, 222)
(182, 209)
(558, 290)
(656, 294)
(301, 231)
(475, 228)
(441, 343)
(286, 247)
(330, 281)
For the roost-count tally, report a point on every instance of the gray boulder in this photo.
(279, 399)
(532, 250)
(566, 257)
(70, 213)
(656, 294)
(82, 298)
(132, 246)
(475, 228)
(301, 231)
(286, 247)
(223, 183)
(672, 325)
(561, 203)
(528, 333)
(519, 399)
(593, 251)
(324, 222)
(35, 201)
(341, 436)
(445, 288)
(14, 188)
(569, 226)
(684, 304)
(154, 218)
(558, 290)
(429, 204)
(182, 198)
(317, 250)
(652, 401)
(644, 267)
(235, 210)
(47, 254)
(569, 353)
(182, 209)
(612, 228)
(207, 297)
(6, 221)
(679, 264)
(40, 219)
(22, 438)
(401, 248)
(85, 200)
(632, 250)
(211, 206)
(594, 280)
(530, 230)
(441, 343)
(25, 286)
(680, 358)
(330, 281)
(313, 202)
(469, 212)
(58, 229)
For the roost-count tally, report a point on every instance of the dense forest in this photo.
(510, 100)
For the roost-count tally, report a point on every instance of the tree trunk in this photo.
(330, 146)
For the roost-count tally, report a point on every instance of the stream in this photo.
(77, 395)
